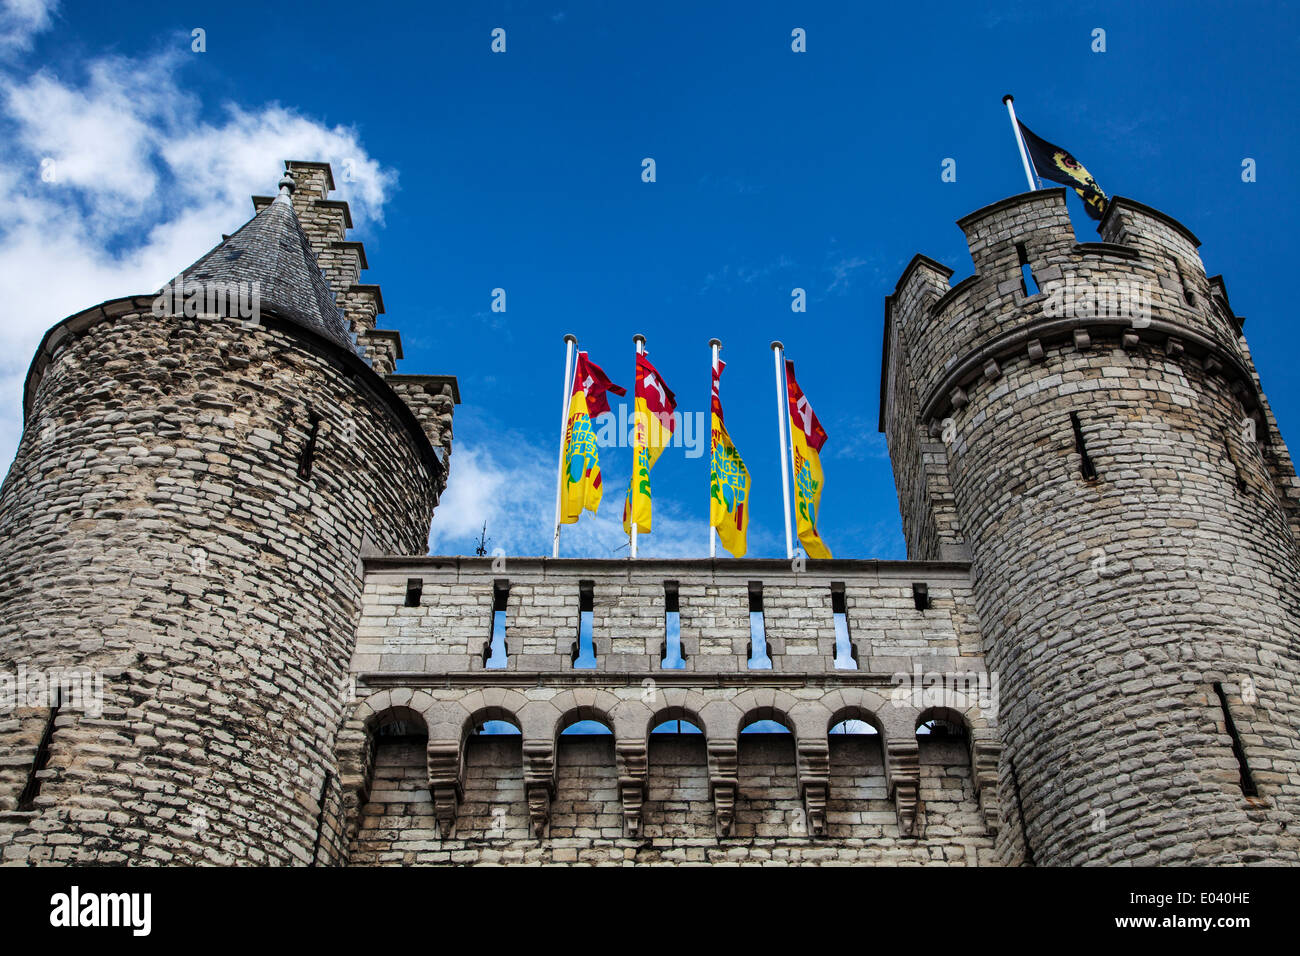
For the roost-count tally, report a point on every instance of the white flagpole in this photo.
(570, 341)
(639, 341)
(1020, 141)
(778, 355)
(715, 346)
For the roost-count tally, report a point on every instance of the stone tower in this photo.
(199, 476)
(1083, 421)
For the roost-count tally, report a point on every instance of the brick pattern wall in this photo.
(633, 796)
(448, 631)
(399, 826)
(154, 529)
(1110, 606)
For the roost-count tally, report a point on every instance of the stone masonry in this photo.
(212, 547)
(887, 796)
(1129, 510)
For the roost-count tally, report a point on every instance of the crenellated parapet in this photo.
(1036, 286)
(1084, 421)
(542, 644)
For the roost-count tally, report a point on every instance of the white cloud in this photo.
(20, 21)
(512, 488)
(115, 180)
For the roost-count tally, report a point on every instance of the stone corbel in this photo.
(984, 756)
(539, 784)
(723, 785)
(632, 782)
(903, 773)
(814, 783)
(445, 784)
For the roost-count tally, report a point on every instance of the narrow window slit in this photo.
(1027, 282)
(921, 596)
(309, 449)
(1020, 813)
(673, 656)
(757, 654)
(1248, 787)
(846, 655)
(1086, 467)
(320, 815)
(1188, 295)
(27, 799)
(584, 648)
(414, 591)
(1243, 483)
(496, 653)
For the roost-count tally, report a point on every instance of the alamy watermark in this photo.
(691, 430)
(81, 690)
(1117, 298)
(193, 298)
(962, 691)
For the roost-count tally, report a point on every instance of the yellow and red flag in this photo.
(581, 475)
(655, 423)
(729, 490)
(806, 439)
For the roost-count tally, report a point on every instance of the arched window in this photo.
(678, 797)
(941, 722)
(493, 806)
(676, 726)
(586, 803)
(399, 788)
(853, 726)
(769, 805)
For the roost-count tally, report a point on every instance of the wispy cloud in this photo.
(732, 276)
(115, 179)
(510, 485)
(859, 440)
(21, 21)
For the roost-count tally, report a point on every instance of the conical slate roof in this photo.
(272, 250)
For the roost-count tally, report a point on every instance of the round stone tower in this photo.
(1083, 422)
(180, 535)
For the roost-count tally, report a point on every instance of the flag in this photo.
(806, 439)
(655, 423)
(729, 490)
(581, 476)
(1058, 165)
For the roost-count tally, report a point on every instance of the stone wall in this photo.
(399, 826)
(1128, 569)
(633, 796)
(155, 530)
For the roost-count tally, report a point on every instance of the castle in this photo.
(212, 566)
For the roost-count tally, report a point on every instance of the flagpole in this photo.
(639, 341)
(1020, 141)
(715, 346)
(570, 341)
(778, 355)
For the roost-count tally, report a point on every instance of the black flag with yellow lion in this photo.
(1058, 165)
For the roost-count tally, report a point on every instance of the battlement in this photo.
(445, 643)
(1034, 285)
(449, 628)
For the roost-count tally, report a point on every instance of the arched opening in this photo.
(678, 803)
(398, 812)
(587, 804)
(942, 722)
(947, 792)
(858, 792)
(493, 806)
(768, 805)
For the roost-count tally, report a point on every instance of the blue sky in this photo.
(522, 171)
